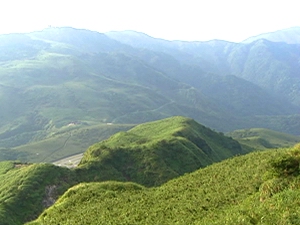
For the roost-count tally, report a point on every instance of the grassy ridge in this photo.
(155, 152)
(257, 188)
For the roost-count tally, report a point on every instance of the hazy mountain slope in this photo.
(19, 46)
(139, 40)
(82, 40)
(272, 66)
(283, 123)
(242, 97)
(61, 76)
(290, 36)
(260, 138)
(61, 83)
(154, 152)
(203, 54)
(258, 188)
(255, 91)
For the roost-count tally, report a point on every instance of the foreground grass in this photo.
(27, 189)
(258, 188)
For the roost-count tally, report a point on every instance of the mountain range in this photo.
(60, 85)
(172, 132)
(289, 36)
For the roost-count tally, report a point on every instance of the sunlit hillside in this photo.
(258, 188)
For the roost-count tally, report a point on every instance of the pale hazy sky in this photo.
(231, 20)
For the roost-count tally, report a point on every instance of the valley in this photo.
(69, 162)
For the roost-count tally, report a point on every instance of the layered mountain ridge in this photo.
(289, 35)
(62, 81)
(64, 89)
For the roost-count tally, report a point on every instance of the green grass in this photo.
(5, 166)
(23, 189)
(251, 189)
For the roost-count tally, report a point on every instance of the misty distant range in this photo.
(63, 89)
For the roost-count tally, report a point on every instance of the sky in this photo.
(188, 20)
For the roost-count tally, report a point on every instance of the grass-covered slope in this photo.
(27, 189)
(260, 138)
(155, 152)
(257, 188)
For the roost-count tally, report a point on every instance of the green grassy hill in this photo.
(149, 154)
(257, 188)
(154, 152)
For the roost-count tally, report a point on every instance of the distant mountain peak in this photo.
(129, 32)
(289, 35)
